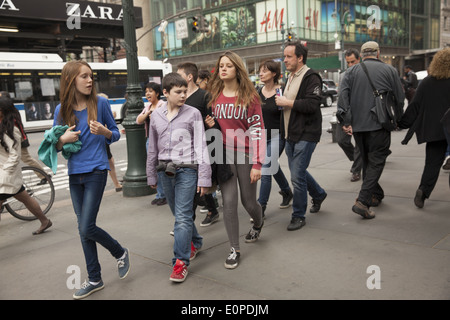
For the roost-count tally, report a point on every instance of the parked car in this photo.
(329, 93)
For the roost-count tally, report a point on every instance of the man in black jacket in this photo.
(357, 100)
(301, 125)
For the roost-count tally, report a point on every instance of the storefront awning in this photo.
(326, 63)
(46, 25)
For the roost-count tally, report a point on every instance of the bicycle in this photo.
(41, 189)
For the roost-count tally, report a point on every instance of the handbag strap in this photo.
(376, 93)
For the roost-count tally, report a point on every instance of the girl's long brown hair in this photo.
(247, 93)
(67, 94)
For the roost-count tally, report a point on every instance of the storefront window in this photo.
(234, 24)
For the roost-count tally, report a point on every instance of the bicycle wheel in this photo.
(41, 189)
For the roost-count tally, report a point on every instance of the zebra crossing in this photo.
(61, 178)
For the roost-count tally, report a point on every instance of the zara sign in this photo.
(88, 12)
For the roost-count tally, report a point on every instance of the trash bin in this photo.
(334, 127)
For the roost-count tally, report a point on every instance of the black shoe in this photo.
(355, 177)
(316, 203)
(296, 223)
(161, 202)
(209, 219)
(419, 199)
(287, 197)
(42, 182)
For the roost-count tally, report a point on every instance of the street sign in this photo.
(181, 29)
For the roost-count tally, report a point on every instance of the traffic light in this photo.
(289, 37)
(195, 24)
(204, 24)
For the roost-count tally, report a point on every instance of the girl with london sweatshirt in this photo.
(236, 107)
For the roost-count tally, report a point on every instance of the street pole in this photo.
(135, 179)
(283, 67)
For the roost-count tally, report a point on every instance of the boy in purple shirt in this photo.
(178, 159)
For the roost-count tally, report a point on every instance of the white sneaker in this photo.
(446, 165)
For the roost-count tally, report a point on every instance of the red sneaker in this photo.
(179, 272)
(194, 251)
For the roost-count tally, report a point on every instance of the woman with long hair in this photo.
(236, 107)
(423, 116)
(11, 183)
(91, 121)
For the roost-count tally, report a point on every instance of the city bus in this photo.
(32, 80)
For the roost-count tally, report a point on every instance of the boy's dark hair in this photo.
(300, 49)
(173, 79)
(189, 68)
(155, 87)
(352, 51)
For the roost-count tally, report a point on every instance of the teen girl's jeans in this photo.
(86, 190)
(271, 167)
(299, 156)
(180, 192)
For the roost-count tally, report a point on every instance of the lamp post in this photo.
(346, 17)
(135, 179)
(283, 67)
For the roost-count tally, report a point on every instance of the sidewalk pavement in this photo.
(337, 255)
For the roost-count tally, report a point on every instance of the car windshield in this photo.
(329, 83)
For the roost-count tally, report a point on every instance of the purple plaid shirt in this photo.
(181, 140)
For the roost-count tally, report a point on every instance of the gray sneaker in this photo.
(209, 219)
(253, 234)
(87, 289)
(233, 259)
(123, 265)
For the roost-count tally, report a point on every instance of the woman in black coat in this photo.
(423, 117)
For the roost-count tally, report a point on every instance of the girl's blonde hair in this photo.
(67, 94)
(247, 93)
(440, 66)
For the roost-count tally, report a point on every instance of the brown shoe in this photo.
(363, 210)
(375, 202)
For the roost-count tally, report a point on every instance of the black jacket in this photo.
(305, 122)
(423, 115)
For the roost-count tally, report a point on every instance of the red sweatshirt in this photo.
(245, 128)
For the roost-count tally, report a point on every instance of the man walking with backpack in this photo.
(357, 101)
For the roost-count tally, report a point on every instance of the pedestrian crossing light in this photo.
(195, 24)
(204, 24)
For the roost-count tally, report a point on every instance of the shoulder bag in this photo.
(385, 109)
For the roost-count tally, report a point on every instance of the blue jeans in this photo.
(276, 145)
(159, 189)
(180, 192)
(447, 136)
(299, 156)
(86, 191)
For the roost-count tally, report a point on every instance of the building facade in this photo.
(256, 29)
(445, 23)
